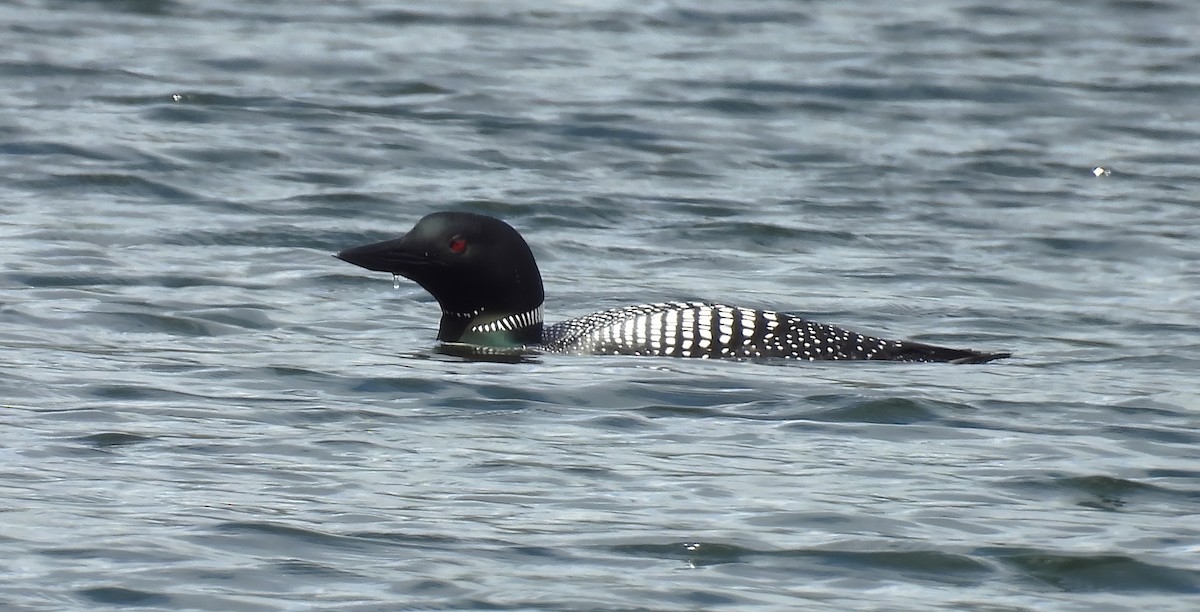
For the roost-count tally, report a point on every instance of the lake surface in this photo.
(202, 410)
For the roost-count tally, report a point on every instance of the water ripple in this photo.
(203, 410)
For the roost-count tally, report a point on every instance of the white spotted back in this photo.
(698, 329)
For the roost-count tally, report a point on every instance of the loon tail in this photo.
(977, 357)
(916, 351)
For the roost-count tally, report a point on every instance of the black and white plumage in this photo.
(484, 276)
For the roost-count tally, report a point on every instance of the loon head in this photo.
(478, 268)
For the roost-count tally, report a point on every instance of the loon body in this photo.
(484, 276)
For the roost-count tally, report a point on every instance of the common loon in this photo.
(484, 276)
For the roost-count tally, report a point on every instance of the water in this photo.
(203, 410)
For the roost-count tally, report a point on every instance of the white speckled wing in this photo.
(697, 329)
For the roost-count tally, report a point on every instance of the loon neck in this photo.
(484, 328)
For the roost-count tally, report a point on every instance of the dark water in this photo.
(203, 410)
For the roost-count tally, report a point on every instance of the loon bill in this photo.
(484, 276)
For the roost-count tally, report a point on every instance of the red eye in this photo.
(458, 245)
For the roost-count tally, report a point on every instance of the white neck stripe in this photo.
(512, 322)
